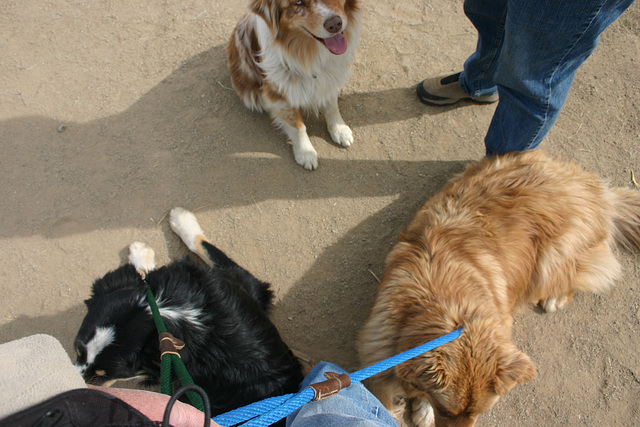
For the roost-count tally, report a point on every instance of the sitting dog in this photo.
(521, 228)
(287, 55)
(232, 350)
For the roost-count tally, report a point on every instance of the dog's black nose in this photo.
(333, 24)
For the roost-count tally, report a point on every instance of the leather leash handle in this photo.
(332, 385)
(169, 344)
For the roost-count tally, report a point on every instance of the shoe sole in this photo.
(443, 102)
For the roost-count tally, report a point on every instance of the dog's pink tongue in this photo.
(336, 44)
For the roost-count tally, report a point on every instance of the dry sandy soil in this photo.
(113, 112)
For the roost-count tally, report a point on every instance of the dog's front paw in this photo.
(307, 158)
(142, 257)
(422, 413)
(341, 134)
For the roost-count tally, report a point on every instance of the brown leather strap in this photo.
(169, 344)
(333, 384)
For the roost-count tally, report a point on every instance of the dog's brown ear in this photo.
(269, 10)
(429, 371)
(514, 368)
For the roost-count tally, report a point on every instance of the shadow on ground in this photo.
(191, 138)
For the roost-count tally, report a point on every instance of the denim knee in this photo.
(352, 406)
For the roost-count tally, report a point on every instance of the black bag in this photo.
(79, 408)
(92, 408)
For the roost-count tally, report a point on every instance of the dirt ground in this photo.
(113, 112)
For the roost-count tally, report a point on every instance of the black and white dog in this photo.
(232, 350)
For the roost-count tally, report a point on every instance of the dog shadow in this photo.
(188, 135)
(189, 141)
(323, 313)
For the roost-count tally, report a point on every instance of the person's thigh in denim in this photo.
(353, 406)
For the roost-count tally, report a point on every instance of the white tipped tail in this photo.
(185, 225)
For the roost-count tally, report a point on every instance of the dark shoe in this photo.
(445, 90)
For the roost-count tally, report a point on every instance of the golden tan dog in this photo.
(287, 56)
(521, 228)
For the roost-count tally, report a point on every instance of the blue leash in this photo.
(271, 410)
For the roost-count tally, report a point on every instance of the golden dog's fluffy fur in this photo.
(521, 228)
(288, 55)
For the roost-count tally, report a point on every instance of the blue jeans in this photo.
(353, 406)
(528, 52)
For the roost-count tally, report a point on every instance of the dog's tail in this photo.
(627, 218)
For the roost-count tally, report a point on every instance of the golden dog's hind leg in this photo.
(598, 270)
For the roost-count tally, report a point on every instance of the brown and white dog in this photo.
(291, 55)
(522, 228)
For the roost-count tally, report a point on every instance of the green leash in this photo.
(170, 358)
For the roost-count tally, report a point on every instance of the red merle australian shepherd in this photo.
(291, 55)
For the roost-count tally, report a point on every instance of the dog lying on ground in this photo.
(286, 56)
(232, 350)
(522, 228)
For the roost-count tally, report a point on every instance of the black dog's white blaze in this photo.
(102, 338)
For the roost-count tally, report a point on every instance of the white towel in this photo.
(32, 370)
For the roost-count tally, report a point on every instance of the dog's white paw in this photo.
(142, 257)
(341, 134)
(185, 225)
(307, 158)
(552, 304)
(422, 414)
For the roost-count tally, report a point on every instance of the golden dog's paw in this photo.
(552, 304)
(422, 414)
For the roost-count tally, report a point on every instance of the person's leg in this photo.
(488, 16)
(545, 41)
(474, 82)
(353, 406)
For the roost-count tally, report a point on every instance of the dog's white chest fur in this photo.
(306, 88)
